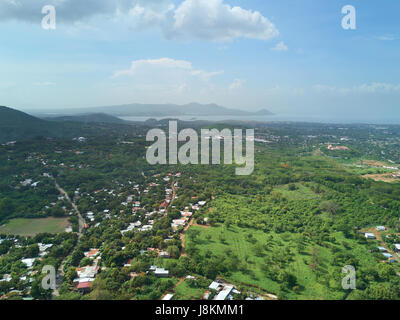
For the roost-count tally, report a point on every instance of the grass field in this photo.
(236, 239)
(185, 292)
(301, 192)
(31, 227)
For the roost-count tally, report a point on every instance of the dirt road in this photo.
(81, 220)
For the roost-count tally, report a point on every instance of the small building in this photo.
(387, 255)
(215, 286)
(397, 247)
(380, 228)
(223, 295)
(92, 253)
(382, 249)
(164, 254)
(83, 287)
(29, 262)
(161, 273)
(153, 268)
(369, 235)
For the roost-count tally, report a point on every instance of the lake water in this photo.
(306, 118)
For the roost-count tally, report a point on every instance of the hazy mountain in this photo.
(162, 110)
(15, 118)
(16, 124)
(87, 118)
(264, 112)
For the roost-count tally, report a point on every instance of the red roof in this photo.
(84, 285)
(164, 204)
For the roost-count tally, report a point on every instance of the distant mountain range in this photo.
(16, 126)
(88, 118)
(162, 110)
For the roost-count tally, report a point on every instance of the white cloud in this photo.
(236, 84)
(164, 78)
(387, 38)
(376, 87)
(216, 21)
(166, 65)
(44, 84)
(147, 15)
(211, 20)
(281, 46)
(70, 11)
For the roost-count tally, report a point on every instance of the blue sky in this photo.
(289, 56)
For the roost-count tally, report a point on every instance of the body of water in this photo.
(305, 118)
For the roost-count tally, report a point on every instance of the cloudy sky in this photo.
(289, 56)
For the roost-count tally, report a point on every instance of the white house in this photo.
(223, 295)
(161, 273)
(28, 262)
(370, 235)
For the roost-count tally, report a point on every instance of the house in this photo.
(380, 228)
(146, 228)
(92, 253)
(186, 214)
(387, 255)
(128, 263)
(168, 296)
(178, 223)
(161, 273)
(342, 148)
(153, 268)
(84, 287)
(43, 248)
(217, 286)
(164, 205)
(369, 235)
(382, 249)
(6, 278)
(164, 254)
(397, 247)
(28, 262)
(223, 295)
(88, 272)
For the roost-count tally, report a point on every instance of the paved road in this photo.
(81, 226)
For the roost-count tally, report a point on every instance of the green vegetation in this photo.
(287, 230)
(32, 227)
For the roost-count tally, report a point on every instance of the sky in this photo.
(287, 56)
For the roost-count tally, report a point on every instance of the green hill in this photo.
(15, 125)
